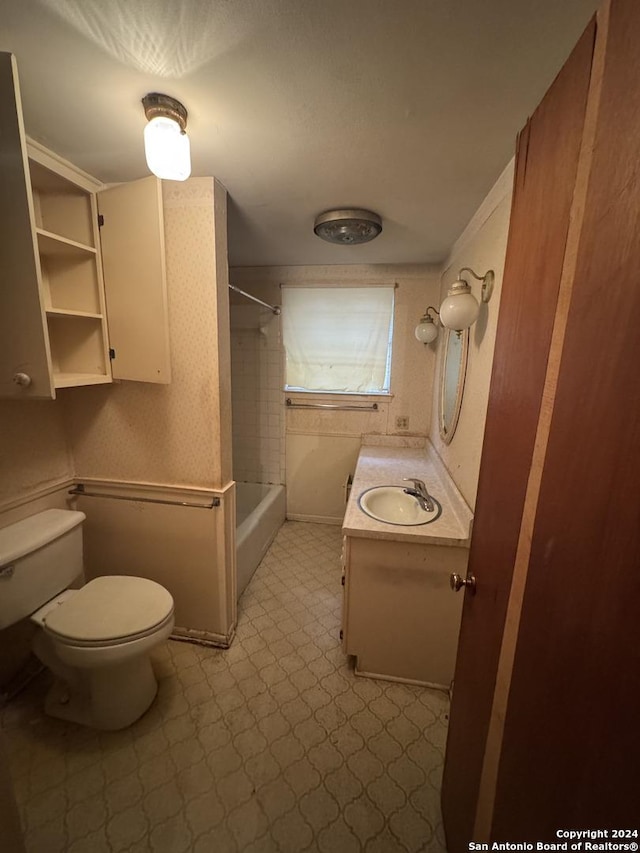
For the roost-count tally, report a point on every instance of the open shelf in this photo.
(77, 349)
(53, 245)
(64, 312)
(43, 180)
(70, 380)
(63, 211)
(70, 283)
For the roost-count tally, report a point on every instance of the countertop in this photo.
(386, 466)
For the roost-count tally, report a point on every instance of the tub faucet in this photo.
(419, 491)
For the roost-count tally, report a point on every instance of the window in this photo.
(338, 339)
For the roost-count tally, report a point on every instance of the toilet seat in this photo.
(113, 643)
(109, 611)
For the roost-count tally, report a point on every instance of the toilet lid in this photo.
(111, 608)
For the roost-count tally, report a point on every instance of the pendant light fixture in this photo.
(166, 144)
(348, 227)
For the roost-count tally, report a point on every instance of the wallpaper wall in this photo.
(34, 451)
(170, 434)
(482, 246)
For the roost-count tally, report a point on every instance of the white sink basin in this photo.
(393, 505)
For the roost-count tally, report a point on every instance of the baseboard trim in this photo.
(315, 519)
(204, 638)
(397, 679)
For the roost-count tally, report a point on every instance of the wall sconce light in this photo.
(427, 330)
(166, 144)
(460, 308)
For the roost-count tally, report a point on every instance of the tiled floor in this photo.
(273, 745)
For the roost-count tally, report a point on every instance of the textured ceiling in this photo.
(407, 107)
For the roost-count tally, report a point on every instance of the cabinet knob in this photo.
(457, 582)
(22, 379)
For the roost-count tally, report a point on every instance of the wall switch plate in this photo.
(402, 422)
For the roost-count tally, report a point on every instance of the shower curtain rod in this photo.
(274, 308)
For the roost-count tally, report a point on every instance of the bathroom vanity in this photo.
(400, 616)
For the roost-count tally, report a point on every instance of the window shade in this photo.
(338, 339)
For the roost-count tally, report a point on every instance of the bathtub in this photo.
(260, 511)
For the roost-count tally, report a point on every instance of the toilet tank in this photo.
(40, 556)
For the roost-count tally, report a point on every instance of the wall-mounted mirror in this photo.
(454, 368)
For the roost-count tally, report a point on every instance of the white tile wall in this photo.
(257, 380)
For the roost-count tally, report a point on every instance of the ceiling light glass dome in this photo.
(348, 227)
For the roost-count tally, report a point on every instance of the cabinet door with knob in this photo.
(400, 617)
(56, 307)
(25, 356)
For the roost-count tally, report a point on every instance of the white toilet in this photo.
(95, 639)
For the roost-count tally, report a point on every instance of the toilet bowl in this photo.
(95, 640)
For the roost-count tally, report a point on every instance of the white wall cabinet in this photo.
(80, 302)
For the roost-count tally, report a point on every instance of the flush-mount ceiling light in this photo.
(460, 308)
(348, 227)
(166, 144)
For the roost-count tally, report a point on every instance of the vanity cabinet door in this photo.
(402, 619)
(24, 342)
(133, 260)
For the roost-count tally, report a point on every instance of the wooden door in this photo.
(24, 342)
(571, 744)
(547, 158)
(133, 259)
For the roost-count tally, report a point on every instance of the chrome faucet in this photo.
(419, 491)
